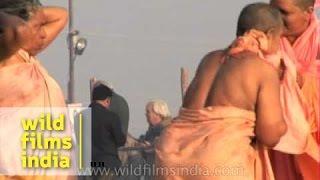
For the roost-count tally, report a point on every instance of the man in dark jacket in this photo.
(107, 134)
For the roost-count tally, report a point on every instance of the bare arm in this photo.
(270, 125)
(55, 20)
(199, 88)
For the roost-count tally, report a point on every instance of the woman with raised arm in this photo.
(27, 28)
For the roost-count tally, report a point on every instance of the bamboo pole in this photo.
(93, 81)
(184, 82)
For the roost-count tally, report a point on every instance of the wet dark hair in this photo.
(20, 8)
(101, 92)
(304, 4)
(259, 16)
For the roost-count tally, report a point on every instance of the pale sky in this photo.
(140, 45)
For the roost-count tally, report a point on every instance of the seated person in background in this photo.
(158, 117)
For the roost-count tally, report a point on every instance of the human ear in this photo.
(310, 10)
(271, 33)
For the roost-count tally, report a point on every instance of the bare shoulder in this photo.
(210, 61)
(209, 64)
(214, 54)
(198, 90)
(212, 58)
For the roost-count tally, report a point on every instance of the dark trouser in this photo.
(103, 167)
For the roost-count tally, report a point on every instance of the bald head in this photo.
(259, 16)
(304, 4)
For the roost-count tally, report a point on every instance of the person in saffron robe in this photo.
(301, 44)
(27, 29)
(232, 111)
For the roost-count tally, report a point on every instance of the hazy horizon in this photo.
(139, 46)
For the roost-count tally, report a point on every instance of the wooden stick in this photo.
(184, 82)
(92, 83)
